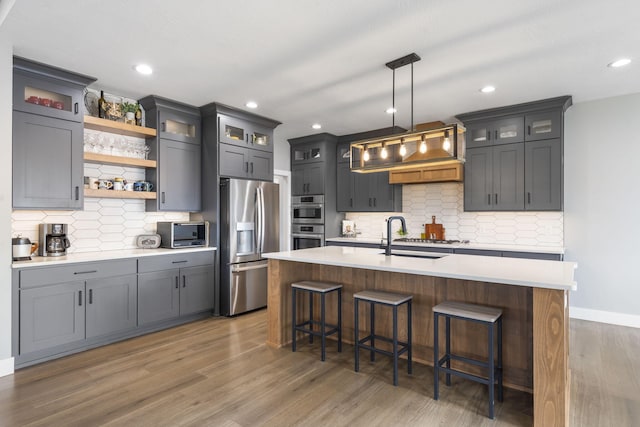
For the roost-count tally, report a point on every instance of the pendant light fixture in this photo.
(413, 147)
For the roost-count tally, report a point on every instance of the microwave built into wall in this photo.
(183, 234)
(307, 209)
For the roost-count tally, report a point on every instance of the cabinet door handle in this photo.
(246, 167)
(496, 198)
(184, 281)
(488, 199)
(351, 202)
(80, 298)
(496, 138)
(529, 130)
(163, 126)
(488, 135)
(75, 108)
(375, 202)
(178, 262)
(85, 272)
(177, 286)
(77, 193)
(90, 296)
(529, 197)
(252, 168)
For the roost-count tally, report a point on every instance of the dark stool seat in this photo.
(388, 299)
(488, 316)
(307, 326)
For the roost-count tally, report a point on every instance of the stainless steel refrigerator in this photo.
(249, 227)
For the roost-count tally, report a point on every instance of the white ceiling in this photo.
(307, 61)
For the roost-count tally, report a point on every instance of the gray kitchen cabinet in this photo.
(242, 162)
(494, 178)
(51, 316)
(543, 175)
(527, 178)
(47, 136)
(366, 192)
(196, 293)
(243, 132)
(308, 179)
(308, 153)
(177, 149)
(492, 132)
(47, 163)
(111, 305)
(158, 296)
(344, 193)
(170, 286)
(178, 176)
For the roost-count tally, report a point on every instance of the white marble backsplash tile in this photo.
(446, 202)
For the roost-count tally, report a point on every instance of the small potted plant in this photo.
(129, 110)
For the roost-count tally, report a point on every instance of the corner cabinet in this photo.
(177, 150)
(514, 157)
(47, 136)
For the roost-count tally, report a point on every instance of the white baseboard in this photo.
(6, 367)
(631, 320)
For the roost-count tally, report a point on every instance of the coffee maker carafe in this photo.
(53, 238)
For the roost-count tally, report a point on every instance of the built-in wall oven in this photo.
(307, 236)
(307, 209)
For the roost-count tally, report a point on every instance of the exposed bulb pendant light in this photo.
(365, 156)
(423, 145)
(446, 144)
(383, 152)
(403, 148)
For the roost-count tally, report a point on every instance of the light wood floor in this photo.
(218, 372)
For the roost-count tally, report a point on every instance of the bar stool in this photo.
(321, 288)
(475, 313)
(389, 299)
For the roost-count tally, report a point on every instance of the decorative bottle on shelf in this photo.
(102, 106)
(138, 116)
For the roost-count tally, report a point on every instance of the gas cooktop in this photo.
(417, 240)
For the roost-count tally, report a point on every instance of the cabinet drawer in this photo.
(177, 260)
(33, 277)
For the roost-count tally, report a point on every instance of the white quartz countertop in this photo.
(39, 261)
(481, 246)
(510, 271)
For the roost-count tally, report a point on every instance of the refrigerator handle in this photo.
(260, 219)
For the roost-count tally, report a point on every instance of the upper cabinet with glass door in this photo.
(244, 133)
(493, 132)
(545, 125)
(180, 127)
(48, 91)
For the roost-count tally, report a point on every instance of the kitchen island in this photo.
(532, 293)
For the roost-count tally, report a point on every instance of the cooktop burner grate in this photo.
(418, 240)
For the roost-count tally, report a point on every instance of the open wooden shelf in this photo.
(112, 194)
(121, 128)
(118, 160)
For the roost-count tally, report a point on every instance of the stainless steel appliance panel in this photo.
(250, 225)
(307, 209)
(305, 236)
(248, 288)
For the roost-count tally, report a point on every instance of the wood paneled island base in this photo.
(535, 334)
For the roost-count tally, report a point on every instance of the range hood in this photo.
(409, 150)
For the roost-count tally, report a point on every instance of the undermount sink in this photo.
(415, 254)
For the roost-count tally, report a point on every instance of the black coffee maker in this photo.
(53, 240)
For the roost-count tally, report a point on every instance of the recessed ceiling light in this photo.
(143, 69)
(391, 110)
(316, 126)
(487, 89)
(619, 63)
(251, 104)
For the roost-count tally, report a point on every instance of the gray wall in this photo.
(280, 152)
(602, 203)
(6, 64)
